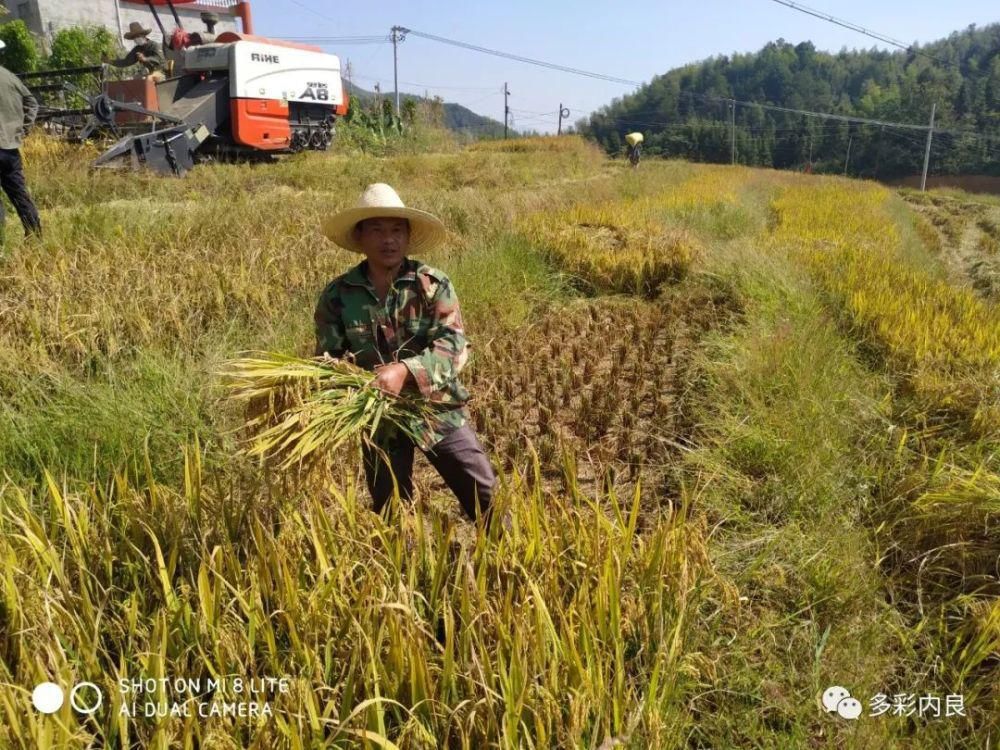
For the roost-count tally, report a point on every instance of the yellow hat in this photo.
(380, 201)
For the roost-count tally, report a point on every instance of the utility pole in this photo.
(506, 109)
(378, 98)
(563, 112)
(878, 152)
(850, 142)
(732, 127)
(398, 35)
(350, 83)
(927, 153)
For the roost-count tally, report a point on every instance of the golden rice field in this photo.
(945, 339)
(746, 424)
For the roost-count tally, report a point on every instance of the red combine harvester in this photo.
(232, 94)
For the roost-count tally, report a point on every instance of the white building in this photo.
(46, 17)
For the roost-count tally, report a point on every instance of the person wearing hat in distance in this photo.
(145, 52)
(18, 109)
(400, 317)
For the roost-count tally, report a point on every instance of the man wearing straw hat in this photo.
(145, 52)
(400, 317)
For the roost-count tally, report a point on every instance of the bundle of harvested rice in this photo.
(302, 407)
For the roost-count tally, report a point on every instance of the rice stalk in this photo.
(300, 407)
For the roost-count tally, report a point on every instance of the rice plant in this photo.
(943, 339)
(940, 343)
(616, 247)
(301, 407)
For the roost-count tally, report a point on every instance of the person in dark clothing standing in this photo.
(18, 109)
(146, 52)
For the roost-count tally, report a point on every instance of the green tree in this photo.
(78, 46)
(21, 53)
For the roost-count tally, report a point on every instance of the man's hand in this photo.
(140, 57)
(392, 378)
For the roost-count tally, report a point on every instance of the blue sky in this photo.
(597, 36)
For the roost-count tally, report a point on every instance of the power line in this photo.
(338, 40)
(822, 115)
(491, 89)
(786, 110)
(531, 112)
(842, 23)
(527, 118)
(860, 29)
(481, 99)
(314, 11)
(701, 122)
(803, 112)
(520, 58)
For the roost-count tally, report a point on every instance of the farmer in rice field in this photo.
(18, 109)
(145, 52)
(634, 147)
(400, 317)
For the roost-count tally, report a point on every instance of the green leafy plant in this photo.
(78, 46)
(20, 54)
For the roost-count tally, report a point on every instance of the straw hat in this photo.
(136, 30)
(381, 201)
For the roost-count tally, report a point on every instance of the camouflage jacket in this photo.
(419, 324)
(151, 50)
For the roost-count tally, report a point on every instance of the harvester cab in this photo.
(230, 95)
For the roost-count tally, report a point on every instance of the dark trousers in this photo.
(13, 184)
(458, 458)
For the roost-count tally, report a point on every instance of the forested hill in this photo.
(680, 114)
